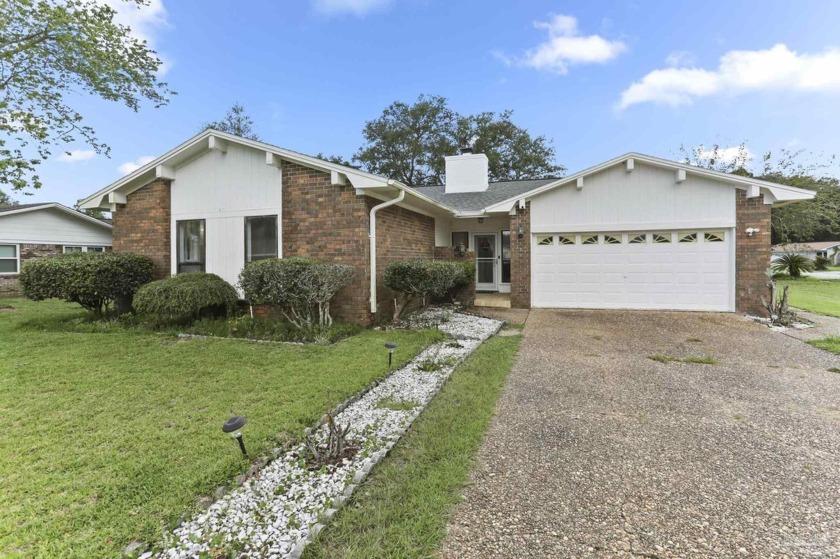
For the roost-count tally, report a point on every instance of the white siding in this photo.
(52, 226)
(646, 198)
(222, 189)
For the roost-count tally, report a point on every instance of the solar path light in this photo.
(233, 427)
(391, 347)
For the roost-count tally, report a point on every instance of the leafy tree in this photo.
(337, 159)
(409, 143)
(236, 122)
(51, 50)
(811, 220)
(95, 212)
(6, 200)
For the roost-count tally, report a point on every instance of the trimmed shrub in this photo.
(186, 297)
(425, 279)
(301, 288)
(93, 280)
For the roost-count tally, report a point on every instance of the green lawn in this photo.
(830, 343)
(109, 437)
(402, 509)
(815, 295)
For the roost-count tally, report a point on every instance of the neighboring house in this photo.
(30, 231)
(635, 232)
(826, 249)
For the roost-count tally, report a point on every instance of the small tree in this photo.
(793, 264)
(236, 122)
(423, 279)
(821, 263)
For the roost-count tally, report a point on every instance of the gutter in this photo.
(373, 211)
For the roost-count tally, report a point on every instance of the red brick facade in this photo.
(520, 258)
(9, 286)
(752, 253)
(142, 225)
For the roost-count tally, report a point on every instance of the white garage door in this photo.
(681, 270)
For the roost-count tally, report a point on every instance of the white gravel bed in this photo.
(276, 513)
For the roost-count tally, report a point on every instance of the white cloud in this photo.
(680, 58)
(733, 154)
(739, 71)
(131, 166)
(355, 7)
(146, 23)
(565, 47)
(76, 155)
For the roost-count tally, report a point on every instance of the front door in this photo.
(485, 262)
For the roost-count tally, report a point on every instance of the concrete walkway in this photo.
(598, 451)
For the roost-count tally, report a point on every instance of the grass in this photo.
(110, 436)
(389, 403)
(830, 343)
(815, 295)
(403, 507)
(672, 359)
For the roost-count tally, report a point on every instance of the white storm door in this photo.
(486, 268)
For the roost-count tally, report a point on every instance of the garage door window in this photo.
(714, 237)
(563, 240)
(589, 240)
(659, 239)
(637, 239)
(688, 237)
(543, 240)
(612, 240)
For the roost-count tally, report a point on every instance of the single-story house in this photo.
(34, 230)
(826, 249)
(634, 232)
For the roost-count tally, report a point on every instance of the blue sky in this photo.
(598, 78)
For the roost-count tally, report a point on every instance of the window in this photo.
(713, 237)
(68, 249)
(461, 238)
(190, 243)
(505, 256)
(8, 259)
(612, 240)
(566, 240)
(658, 239)
(637, 239)
(543, 240)
(260, 238)
(589, 240)
(688, 237)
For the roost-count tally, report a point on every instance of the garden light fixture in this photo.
(391, 347)
(233, 427)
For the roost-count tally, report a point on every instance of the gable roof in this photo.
(210, 139)
(780, 194)
(477, 201)
(818, 245)
(24, 208)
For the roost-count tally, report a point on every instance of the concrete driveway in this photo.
(597, 450)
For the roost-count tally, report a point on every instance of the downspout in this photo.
(373, 211)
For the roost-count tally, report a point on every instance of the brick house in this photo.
(29, 231)
(635, 232)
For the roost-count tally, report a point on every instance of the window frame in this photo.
(178, 261)
(83, 248)
(542, 237)
(16, 259)
(245, 222)
(502, 234)
(452, 239)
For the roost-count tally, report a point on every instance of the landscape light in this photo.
(391, 347)
(233, 427)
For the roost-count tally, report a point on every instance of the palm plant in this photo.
(821, 263)
(793, 264)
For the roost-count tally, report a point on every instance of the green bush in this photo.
(93, 280)
(426, 279)
(299, 287)
(793, 264)
(821, 263)
(185, 298)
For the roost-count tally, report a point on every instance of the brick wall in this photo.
(329, 223)
(9, 286)
(467, 294)
(520, 258)
(752, 254)
(142, 225)
(401, 234)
